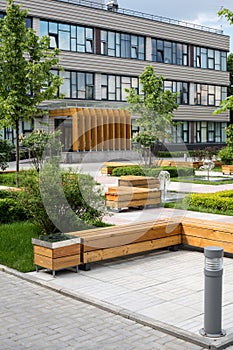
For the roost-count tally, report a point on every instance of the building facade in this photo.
(104, 51)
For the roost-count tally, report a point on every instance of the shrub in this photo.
(221, 201)
(5, 153)
(11, 210)
(9, 179)
(226, 155)
(152, 171)
(128, 170)
(59, 201)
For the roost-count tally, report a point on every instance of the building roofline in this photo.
(147, 16)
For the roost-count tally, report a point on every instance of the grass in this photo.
(16, 249)
(195, 180)
(181, 205)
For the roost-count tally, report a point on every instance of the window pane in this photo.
(64, 40)
(65, 88)
(80, 36)
(43, 28)
(52, 28)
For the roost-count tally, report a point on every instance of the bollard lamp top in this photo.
(213, 252)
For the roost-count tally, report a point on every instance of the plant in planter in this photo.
(55, 202)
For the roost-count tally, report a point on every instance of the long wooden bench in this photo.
(117, 241)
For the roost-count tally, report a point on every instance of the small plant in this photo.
(5, 153)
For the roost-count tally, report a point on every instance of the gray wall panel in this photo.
(119, 66)
(79, 14)
(199, 113)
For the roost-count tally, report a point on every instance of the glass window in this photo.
(209, 94)
(65, 87)
(209, 58)
(113, 87)
(68, 37)
(169, 52)
(224, 61)
(43, 28)
(64, 41)
(122, 45)
(53, 28)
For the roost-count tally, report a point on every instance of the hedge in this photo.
(152, 171)
(222, 201)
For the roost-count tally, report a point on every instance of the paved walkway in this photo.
(35, 318)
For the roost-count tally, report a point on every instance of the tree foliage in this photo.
(155, 107)
(26, 79)
(39, 143)
(227, 104)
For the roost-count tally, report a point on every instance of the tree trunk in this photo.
(17, 152)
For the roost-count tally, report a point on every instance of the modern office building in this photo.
(104, 49)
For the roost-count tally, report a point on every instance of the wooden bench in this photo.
(227, 169)
(178, 163)
(202, 233)
(139, 181)
(125, 197)
(109, 166)
(117, 241)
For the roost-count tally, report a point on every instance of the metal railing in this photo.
(144, 15)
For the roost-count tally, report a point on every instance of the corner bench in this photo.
(117, 241)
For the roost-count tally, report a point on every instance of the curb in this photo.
(216, 344)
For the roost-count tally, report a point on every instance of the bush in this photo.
(9, 179)
(226, 155)
(152, 171)
(5, 153)
(11, 210)
(128, 170)
(59, 201)
(221, 201)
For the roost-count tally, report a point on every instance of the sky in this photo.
(202, 12)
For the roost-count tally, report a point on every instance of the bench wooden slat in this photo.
(134, 248)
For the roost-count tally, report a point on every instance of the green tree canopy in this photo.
(26, 79)
(227, 104)
(155, 107)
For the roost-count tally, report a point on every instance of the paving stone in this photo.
(44, 319)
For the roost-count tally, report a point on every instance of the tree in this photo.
(155, 107)
(227, 104)
(38, 143)
(26, 79)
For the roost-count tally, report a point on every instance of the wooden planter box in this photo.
(139, 181)
(227, 169)
(58, 255)
(125, 197)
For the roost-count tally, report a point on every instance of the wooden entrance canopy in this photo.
(98, 129)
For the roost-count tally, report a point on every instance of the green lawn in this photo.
(16, 249)
(196, 180)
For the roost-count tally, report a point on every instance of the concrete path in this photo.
(35, 318)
